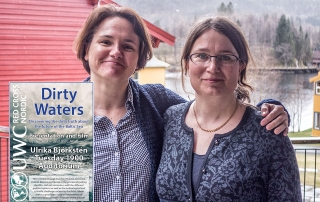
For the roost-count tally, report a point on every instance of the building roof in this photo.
(158, 35)
(316, 78)
(316, 54)
(316, 61)
(155, 62)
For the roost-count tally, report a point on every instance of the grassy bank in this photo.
(305, 133)
(307, 160)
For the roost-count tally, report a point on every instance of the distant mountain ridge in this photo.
(258, 20)
(156, 10)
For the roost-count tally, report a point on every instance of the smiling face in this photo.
(114, 50)
(213, 79)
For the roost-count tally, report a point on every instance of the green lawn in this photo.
(305, 133)
(308, 161)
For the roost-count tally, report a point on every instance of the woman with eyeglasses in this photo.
(214, 147)
(128, 118)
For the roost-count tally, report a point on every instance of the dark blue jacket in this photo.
(248, 163)
(150, 102)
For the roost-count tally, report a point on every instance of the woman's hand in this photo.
(275, 118)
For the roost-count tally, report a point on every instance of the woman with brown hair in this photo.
(214, 147)
(128, 117)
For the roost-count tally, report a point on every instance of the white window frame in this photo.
(317, 87)
(316, 118)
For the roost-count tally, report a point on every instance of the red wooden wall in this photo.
(36, 43)
(4, 168)
(36, 39)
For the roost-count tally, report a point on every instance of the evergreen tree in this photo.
(303, 52)
(307, 50)
(284, 45)
(226, 9)
(222, 8)
(239, 23)
(299, 41)
(230, 8)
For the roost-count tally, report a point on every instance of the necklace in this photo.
(218, 128)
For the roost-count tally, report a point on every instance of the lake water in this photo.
(289, 88)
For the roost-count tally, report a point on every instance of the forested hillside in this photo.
(279, 32)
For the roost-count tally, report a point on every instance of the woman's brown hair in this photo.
(98, 14)
(234, 34)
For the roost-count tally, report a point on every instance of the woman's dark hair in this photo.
(85, 35)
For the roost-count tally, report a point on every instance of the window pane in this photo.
(317, 120)
(317, 88)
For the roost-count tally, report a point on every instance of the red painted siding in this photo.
(36, 39)
(4, 146)
(36, 43)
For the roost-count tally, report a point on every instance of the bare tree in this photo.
(296, 99)
(266, 84)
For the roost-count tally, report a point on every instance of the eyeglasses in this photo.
(223, 60)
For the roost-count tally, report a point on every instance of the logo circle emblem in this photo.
(19, 181)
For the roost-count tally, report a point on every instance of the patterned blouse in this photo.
(248, 163)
